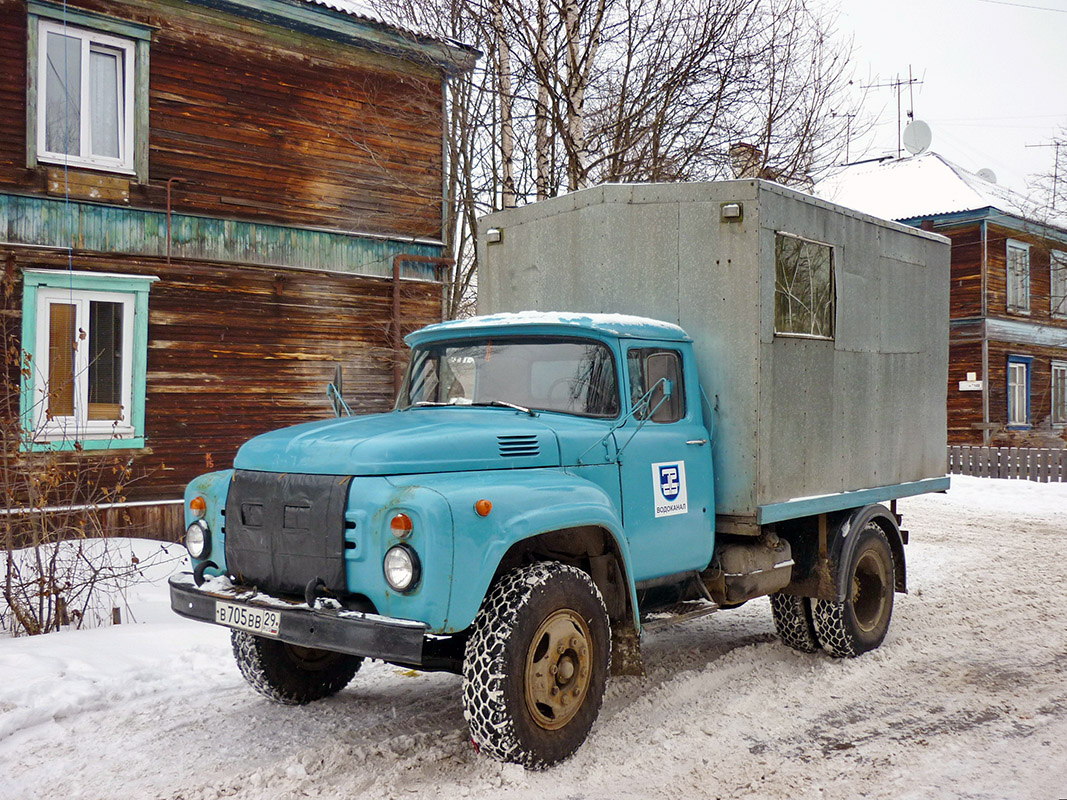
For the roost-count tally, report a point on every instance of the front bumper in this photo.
(352, 632)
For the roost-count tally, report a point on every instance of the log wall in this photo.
(261, 123)
(235, 351)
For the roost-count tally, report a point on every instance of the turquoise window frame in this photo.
(139, 35)
(137, 286)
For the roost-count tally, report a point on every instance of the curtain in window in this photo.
(104, 107)
(105, 360)
(62, 330)
(1017, 399)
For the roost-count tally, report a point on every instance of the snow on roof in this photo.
(366, 12)
(920, 186)
(618, 324)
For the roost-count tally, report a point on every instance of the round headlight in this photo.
(401, 568)
(197, 540)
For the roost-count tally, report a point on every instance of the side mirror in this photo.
(335, 393)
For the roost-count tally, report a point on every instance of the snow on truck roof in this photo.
(614, 324)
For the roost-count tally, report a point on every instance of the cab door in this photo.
(665, 465)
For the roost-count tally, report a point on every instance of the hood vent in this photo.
(522, 445)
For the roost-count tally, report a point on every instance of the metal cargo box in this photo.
(857, 404)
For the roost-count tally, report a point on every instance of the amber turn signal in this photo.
(401, 525)
(483, 507)
(198, 507)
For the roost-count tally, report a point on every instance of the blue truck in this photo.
(551, 484)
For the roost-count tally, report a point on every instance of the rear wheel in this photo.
(860, 622)
(793, 621)
(289, 674)
(536, 665)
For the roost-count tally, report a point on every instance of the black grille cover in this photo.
(284, 530)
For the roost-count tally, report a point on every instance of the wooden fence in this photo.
(1026, 463)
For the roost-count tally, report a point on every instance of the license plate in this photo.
(255, 620)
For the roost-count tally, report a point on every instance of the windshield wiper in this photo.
(424, 404)
(505, 404)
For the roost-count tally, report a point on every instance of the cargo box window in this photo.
(804, 290)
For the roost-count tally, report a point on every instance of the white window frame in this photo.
(89, 39)
(1019, 392)
(1018, 293)
(79, 426)
(1058, 284)
(1059, 392)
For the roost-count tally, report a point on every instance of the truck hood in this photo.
(454, 439)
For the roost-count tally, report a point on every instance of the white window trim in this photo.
(125, 162)
(1058, 269)
(1017, 304)
(1059, 368)
(78, 426)
(1018, 411)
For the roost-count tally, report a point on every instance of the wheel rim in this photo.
(558, 669)
(870, 586)
(308, 658)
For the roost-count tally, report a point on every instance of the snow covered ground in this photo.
(967, 698)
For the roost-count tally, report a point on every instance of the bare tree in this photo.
(59, 507)
(571, 93)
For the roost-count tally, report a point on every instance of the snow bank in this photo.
(967, 698)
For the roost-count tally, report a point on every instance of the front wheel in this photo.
(859, 623)
(536, 665)
(289, 674)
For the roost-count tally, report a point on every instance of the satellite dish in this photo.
(986, 174)
(917, 137)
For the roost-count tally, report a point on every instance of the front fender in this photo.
(213, 487)
(525, 503)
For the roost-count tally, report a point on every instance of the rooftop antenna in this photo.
(1055, 167)
(898, 85)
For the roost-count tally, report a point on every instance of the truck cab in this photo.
(543, 481)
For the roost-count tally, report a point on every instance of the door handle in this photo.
(697, 441)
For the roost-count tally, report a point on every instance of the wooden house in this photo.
(206, 206)
(1007, 382)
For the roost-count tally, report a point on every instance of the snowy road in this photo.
(967, 698)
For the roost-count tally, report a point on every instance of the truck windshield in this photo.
(573, 376)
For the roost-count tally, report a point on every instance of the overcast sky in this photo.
(993, 72)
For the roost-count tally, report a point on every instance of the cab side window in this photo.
(653, 367)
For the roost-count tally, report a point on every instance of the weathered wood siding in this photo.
(965, 297)
(1040, 276)
(236, 351)
(262, 123)
(1041, 433)
(964, 407)
(13, 93)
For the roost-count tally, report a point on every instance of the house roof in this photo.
(355, 22)
(368, 13)
(926, 185)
